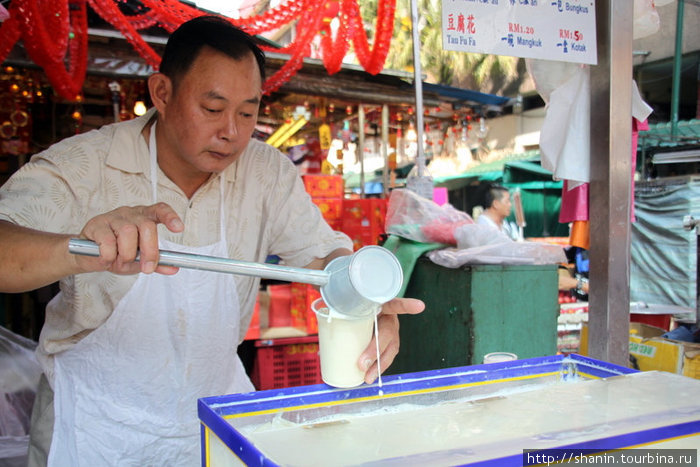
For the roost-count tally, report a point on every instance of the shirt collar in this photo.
(129, 150)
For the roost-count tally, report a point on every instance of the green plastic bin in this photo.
(475, 310)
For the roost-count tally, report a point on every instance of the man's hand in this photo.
(125, 232)
(388, 324)
(30, 258)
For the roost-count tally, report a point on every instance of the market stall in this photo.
(474, 310)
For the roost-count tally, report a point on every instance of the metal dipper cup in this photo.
(353, 285)
(361, 282)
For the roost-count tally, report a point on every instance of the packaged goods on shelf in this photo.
(324, 186)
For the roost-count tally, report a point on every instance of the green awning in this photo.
(659, 135)
(529, 175)
(491, 171)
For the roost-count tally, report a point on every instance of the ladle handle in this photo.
(216, 264)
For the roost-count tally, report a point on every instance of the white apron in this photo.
(126, 395)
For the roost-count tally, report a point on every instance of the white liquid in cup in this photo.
(341, 341)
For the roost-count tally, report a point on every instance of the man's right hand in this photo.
(30, 259)
(125, 232)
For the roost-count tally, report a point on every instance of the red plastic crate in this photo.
(660, 321)
(286, 362)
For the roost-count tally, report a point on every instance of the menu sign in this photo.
(561, 30)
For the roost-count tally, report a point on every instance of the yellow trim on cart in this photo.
(207, 448)
(399, 394)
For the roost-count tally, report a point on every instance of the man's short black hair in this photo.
(494, 193)
(187, 41)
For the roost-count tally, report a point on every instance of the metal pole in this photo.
(611, 182)
(385, 149)
(422, 182)
(677, 59)
(361, 147)
(418, 84)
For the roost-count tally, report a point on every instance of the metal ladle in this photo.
(352, 285)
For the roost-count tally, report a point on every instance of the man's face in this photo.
(209, 119)
(503, 205)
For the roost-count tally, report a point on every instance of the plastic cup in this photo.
(341, 341)
(495, 357)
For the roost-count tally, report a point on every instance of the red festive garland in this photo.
(49, 26)
(55, 31)
(110, 12)
(333, 50)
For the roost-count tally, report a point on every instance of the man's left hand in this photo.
(388, 324)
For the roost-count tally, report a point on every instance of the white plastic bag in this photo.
(19, 380)
(475, 235)
(508, 253)
(482, 244)
(646, 19)
(565, 132)
(548, 75)
(416, 218)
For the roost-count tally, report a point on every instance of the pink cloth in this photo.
(440, 195)
(637, 126)
(574, 202)
(3, 14)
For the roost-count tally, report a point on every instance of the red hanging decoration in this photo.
(334, 50)
(110, 12)
(274, 18)
(48, 29)
(310, 23)
(373, 61)
(51, 35)
(55, 32)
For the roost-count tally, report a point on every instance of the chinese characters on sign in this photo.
(546, 29)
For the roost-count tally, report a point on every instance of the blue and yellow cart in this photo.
(498, 414)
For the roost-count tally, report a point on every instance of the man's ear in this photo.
(160, 87)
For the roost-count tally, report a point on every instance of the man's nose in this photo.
(229, 128)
